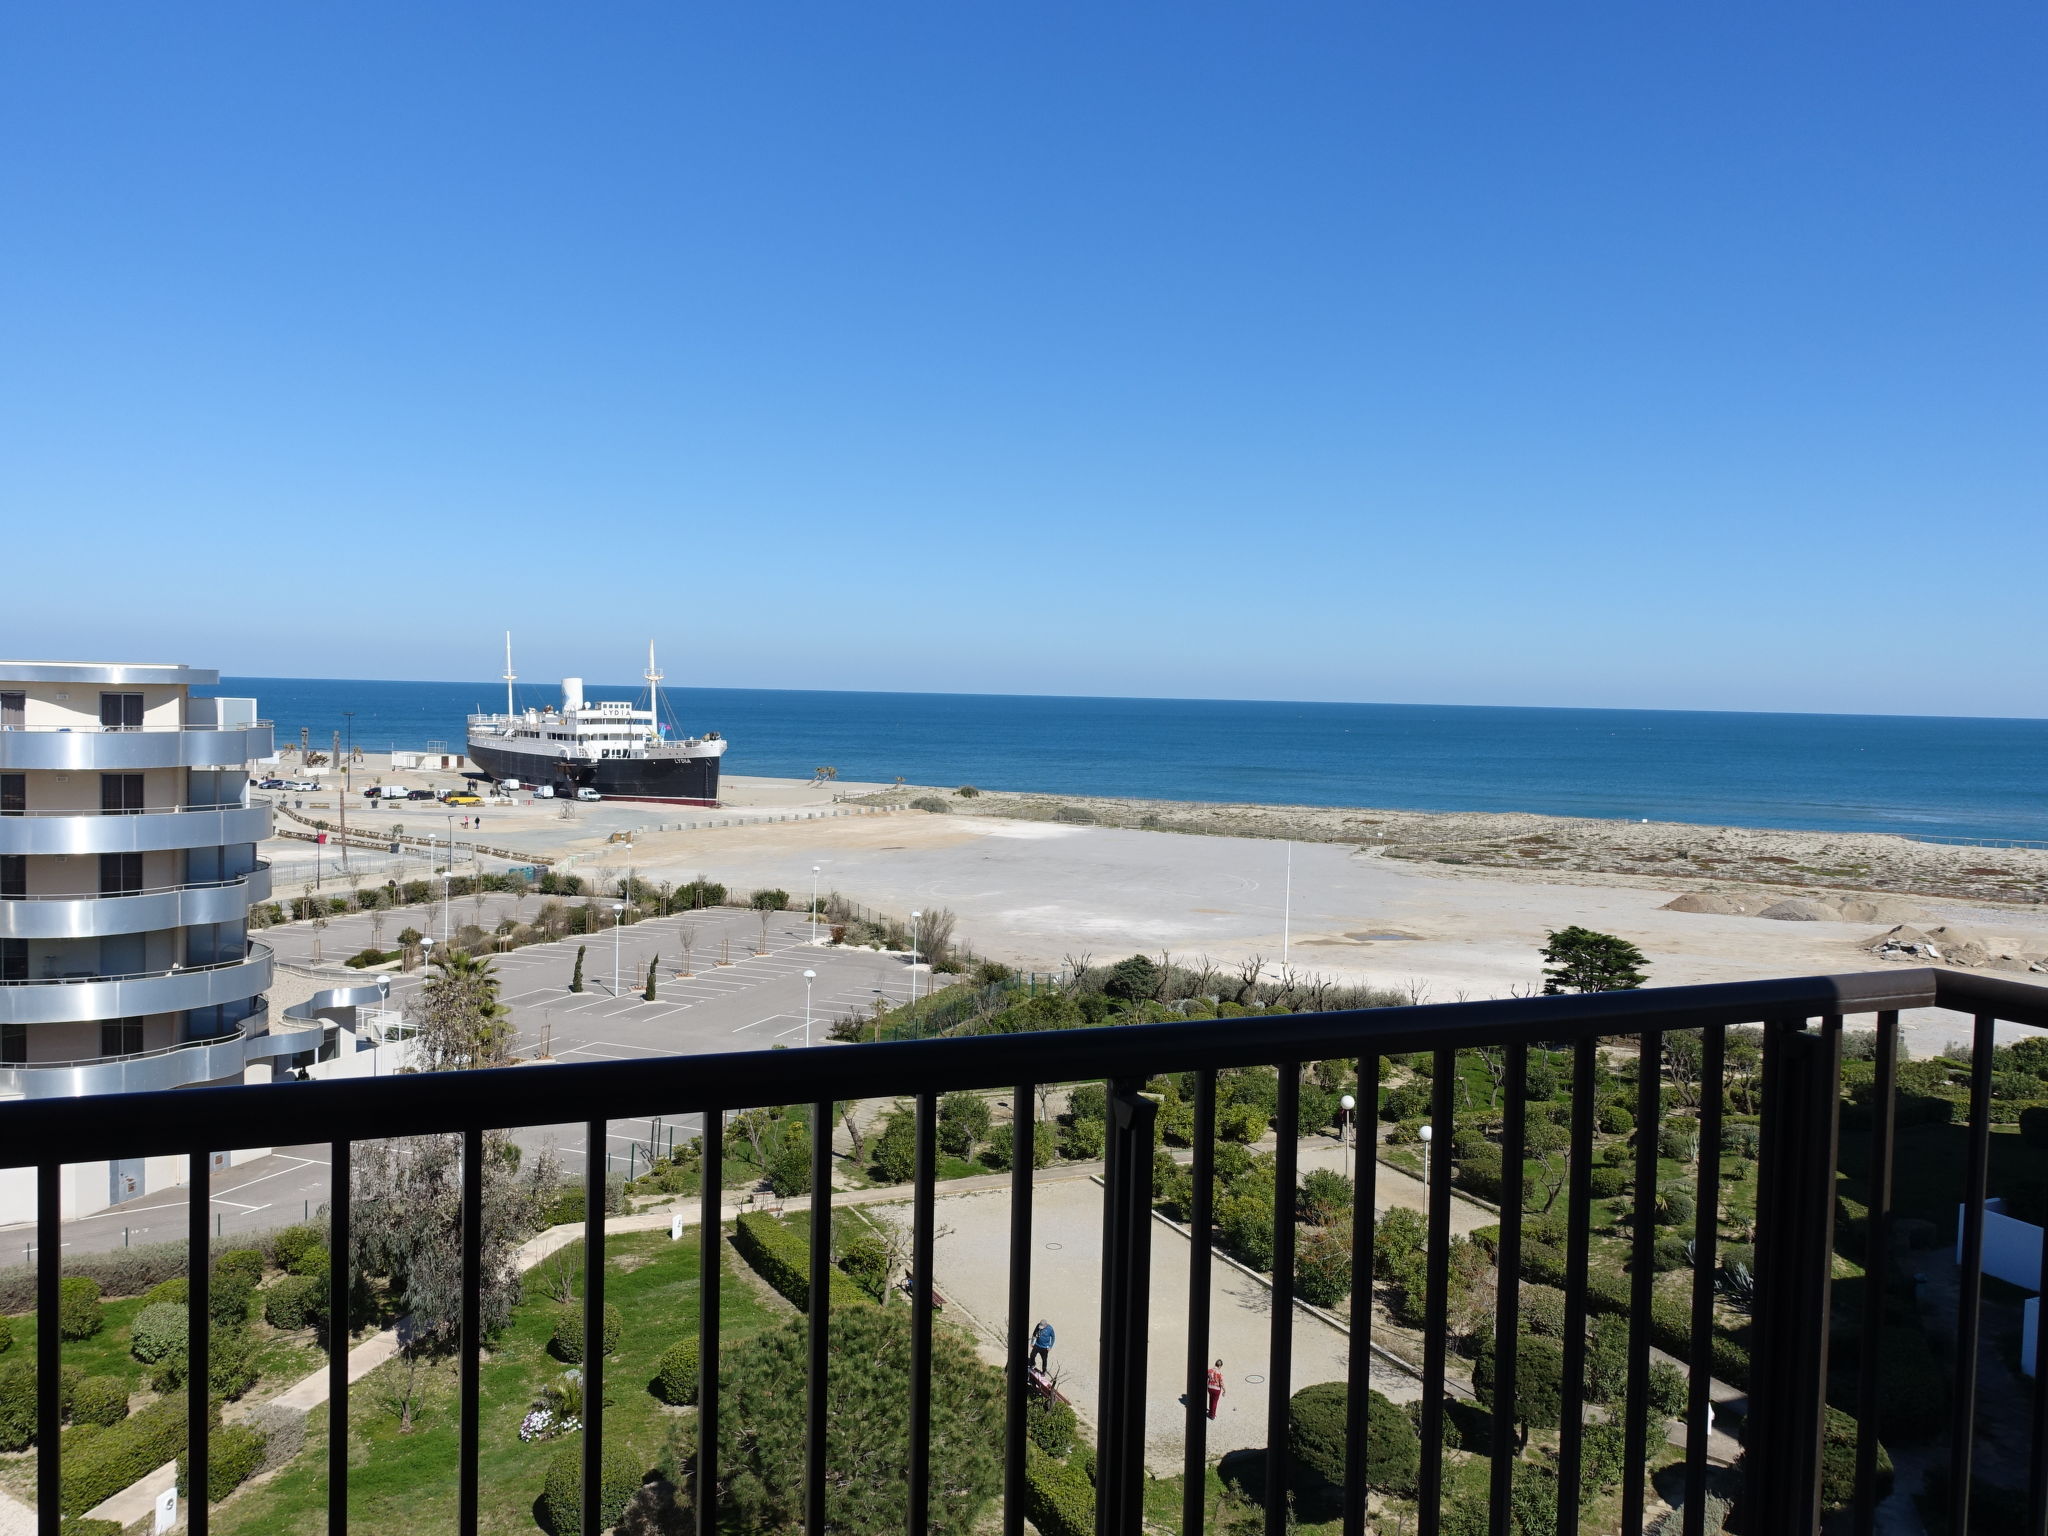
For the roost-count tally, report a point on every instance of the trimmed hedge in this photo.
(246, 1262)
(1315, 1436)
(101, 1400)
(1670, 1319)
(172, 1293)
(562, 1495)
(6, 1333)
(783, 1259)
(79, 1313)
(1058, 1498)
(17, 1405)
(158, 1331)
(296, 1301)
(567, 1342)
(118, 1455)
(675, 1378)
(233, 1453)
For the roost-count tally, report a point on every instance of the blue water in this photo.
(1924, 776)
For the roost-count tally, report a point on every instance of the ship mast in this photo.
(510, 675)
(654, 675)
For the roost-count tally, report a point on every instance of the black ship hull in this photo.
(672, 780)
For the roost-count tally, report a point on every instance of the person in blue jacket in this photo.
(1041, 1344)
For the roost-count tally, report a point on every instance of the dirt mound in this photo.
(1878, 909)
(1800, 909)
(1719, 903)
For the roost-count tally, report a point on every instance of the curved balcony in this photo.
(89, 748)
(94, 917)
(83, 999)
(175, 1066)
(143, 831)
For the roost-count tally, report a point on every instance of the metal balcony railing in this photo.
(1781, 1467)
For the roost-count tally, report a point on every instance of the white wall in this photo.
(2012, 1249)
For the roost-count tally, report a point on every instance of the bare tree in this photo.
(761, 944)
(687, 937)
(855, 1135)
(1417, 990)
(1249, 969)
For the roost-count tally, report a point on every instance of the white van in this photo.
(587, 793)
(508, 783)
(543, 791)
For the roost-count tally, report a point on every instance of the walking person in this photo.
(1215, 1387)
(1041, 1345)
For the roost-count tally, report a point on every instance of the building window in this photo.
(13, 960)
(13, 711)
(13, 1044)
(120, 794)
(120, 711)
(120, 874)
(13, 794)
(120, 1037)
(13, 875)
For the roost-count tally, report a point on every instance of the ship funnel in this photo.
(572, 693)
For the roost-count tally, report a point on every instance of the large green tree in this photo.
(1580, 960)
(867, 1431)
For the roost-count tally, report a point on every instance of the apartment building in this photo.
(127, 870)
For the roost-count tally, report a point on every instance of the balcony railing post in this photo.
(1126, 1292)
(1794, 1260)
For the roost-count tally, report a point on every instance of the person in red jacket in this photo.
(1215, 1387)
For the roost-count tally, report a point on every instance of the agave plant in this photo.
(1738, 1285)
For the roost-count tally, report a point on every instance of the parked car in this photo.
(301, 786)
(419, 794)
(270, 783)
(387, 792)
(587, 793)
(461, 797)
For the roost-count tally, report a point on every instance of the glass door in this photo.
(120, 711)
(120, 794)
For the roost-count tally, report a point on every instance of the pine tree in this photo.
(1584, 961)
(576, 980)
(649, 992)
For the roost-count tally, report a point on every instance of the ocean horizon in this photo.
(1920, 776)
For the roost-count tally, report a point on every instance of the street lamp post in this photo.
(814, 902)
(618, 922)
(913, 963)
(1426, 1134)
(809, 977)
(1347, 1104)
(426, 950)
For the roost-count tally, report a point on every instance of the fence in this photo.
(1788, 1368)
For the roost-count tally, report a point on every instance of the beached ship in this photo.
(615, 747)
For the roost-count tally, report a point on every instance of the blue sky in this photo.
(1616, 354)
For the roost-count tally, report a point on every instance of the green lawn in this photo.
(104, 1354)
(407, 1481)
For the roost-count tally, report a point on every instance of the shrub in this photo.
(246, 1262)
(2034, 1126)
(1246, 1222)
(233, 1453)
(1542, 1308)
(1678, 1140)
(1241, 1122)
(1083, 1140)
(1314, 1107)
(1051, 1424)
(1079, 814)
(100, 1400)
(1058, 1498)
(930, 803)
(228, 1298)
(1671, 1252)
(1675, 1208)
(783, 1259)
(675, 1377)
(1398, 1234)
(562, 1495)
(1539, 1381)
(1322, 1267)
(17, 1405)
(158, 1332)
(296, 1301)
(1002, 1141)
(1315, 1435)
(79, 1313)
(1606, 1181)
(963, 1122)
(1615, 1119)
(284, 1433)
(1667, 1390)
(567, 1342)
(789, 1168)
(290, 1245)
(894, 1157)
(118, 1455)
(1325, 1196)
(6, 1333)
(230, 1367)
(866, 1258)
(770, 901)
(172, 1293)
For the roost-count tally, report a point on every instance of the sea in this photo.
(1963, 779)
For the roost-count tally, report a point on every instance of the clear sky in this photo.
(1580, 354)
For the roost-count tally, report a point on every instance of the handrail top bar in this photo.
(183, 1120)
